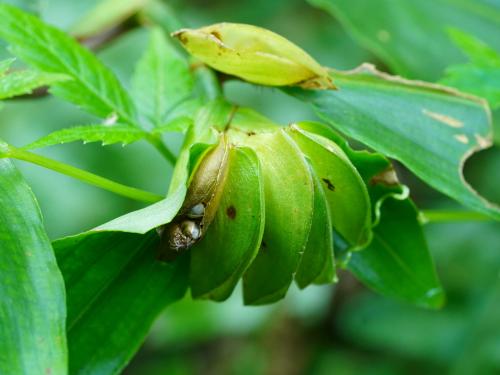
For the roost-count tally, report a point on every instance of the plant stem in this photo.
(156, 141)
(440, 216)
(90, 178)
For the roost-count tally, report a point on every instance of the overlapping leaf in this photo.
(162, 81)
(429, 128)
(32, 301)
(25, 81)
(289, 200)
(397, 262)
(93, 86)
(115, 289)
(234, 236)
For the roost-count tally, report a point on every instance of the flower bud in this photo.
(254, 54)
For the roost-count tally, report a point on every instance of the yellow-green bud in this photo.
(254, 54)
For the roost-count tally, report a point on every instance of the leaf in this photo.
(32, 301)
(397, 263)
(24, 82)
(105, 15)
(145, 219)
(107, 134)
(479, 77)
(115, 290)
(410, 36)
(162, 80)
(317, 264)
(429, 128)
(345, 191)
(233, 238)
(5, 65)
(93, 87)
(289, 199)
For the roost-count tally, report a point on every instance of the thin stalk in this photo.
(156, 141)
(79, 174)
(441, 216)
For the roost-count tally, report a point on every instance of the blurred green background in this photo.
(341, 329)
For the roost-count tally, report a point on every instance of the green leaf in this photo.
(410, 36)
(317, 264)
(106, 14)
(162, 80)
(479, 77)
(93, 86)
(32, 301)
(24, 82)
(5, 65)
(145, 219)
(429, 128)
(345, 191)
(115, 290)
(289, 200)
(397, 263)
(107, 134)
(233, 238)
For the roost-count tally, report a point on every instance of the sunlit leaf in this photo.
(32, 301)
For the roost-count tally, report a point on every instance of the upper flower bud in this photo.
(254, 54)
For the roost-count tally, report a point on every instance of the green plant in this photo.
(276, 200)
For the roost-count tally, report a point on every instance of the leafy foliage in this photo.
(32, 301)
(93, 86)
(421, 125)
(24, 82)
(116, 288)
(410, 36)
(274, 206)
(107, 134)
(391, 264)
(162, 80)
(481, 76)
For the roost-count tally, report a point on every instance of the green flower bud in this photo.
(262, 206)
(254, 54)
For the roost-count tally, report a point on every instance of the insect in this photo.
(183, 233)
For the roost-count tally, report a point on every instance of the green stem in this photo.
(90, 178)
(440, 216)
(156, 141)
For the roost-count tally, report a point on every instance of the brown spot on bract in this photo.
(231, 212)
(216, 35)
(328, 184)
(250, 133)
